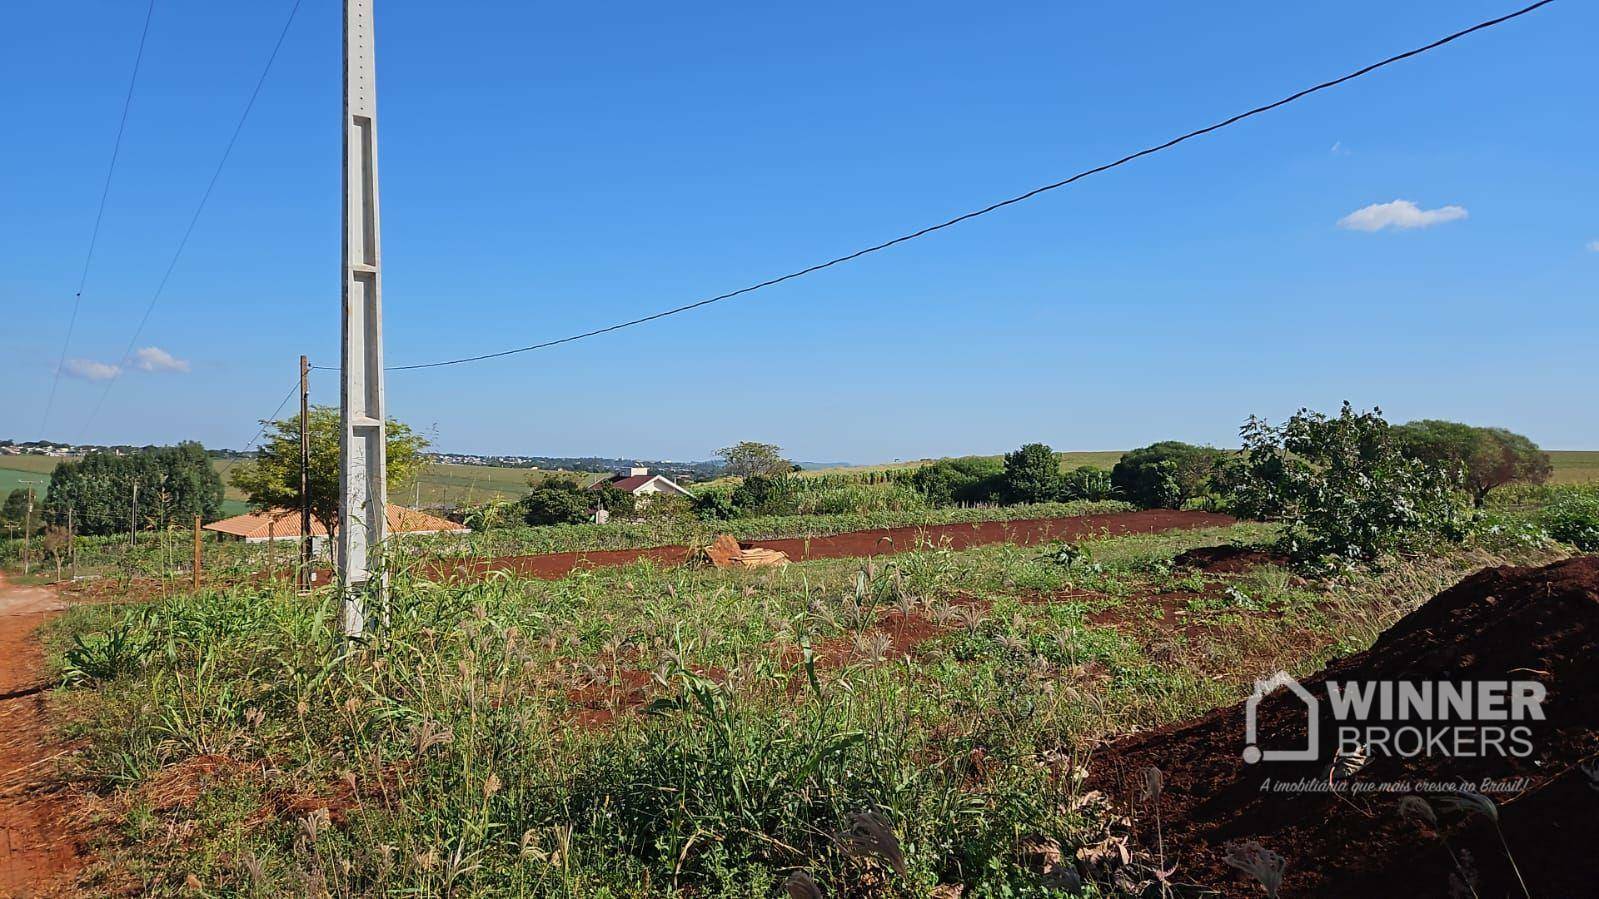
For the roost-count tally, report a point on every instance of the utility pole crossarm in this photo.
(362, 506)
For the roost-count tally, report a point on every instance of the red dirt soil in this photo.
(1227, 559)
(883, 541)
(1498, 624)
(38, 847)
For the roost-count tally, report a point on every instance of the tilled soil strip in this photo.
(878, 542)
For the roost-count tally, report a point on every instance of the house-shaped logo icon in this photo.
(1264, 688)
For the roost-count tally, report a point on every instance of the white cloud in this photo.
(1338, 149)
(1593, 246)
(90, 370)
(153, 358)
(1401, 214)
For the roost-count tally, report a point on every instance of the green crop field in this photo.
(1575, 466)
(11, 479)
(448, 483)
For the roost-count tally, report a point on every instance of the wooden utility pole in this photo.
(197, 554)
(133, 517)
(362, 468)
(27, 529)
(72, 543)
(305, 476)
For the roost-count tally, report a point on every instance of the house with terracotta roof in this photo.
(640, 483)
(284, 524)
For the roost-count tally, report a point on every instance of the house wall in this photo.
(657, 485)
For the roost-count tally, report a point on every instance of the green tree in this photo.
(272, 479)
(175, 483)
(1343, 486)
(1486, 457)
(748, 458)
(614, 501)
(1167, 474)
(558, 501)
(1032, 475)
(15, 511)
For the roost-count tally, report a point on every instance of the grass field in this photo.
(647, 731)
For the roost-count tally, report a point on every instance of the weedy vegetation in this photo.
(869, 727)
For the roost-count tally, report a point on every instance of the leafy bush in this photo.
(714, 506)
(976, 479)
(558, 501)
(1167, 474)
(617, 502)
(1032, 475)
(1573, 517)
(1087, 482)
(1503, 533)
(764, 495)
(1343, 486)
(497, 513)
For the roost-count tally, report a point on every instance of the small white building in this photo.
(640, 483)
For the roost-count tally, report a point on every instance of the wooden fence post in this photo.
(197, 554)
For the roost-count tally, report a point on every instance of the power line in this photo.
(99, 216)
(990, 208)
(265, 423)
(195, 219)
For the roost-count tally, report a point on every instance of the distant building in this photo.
(640, 483)
(284, 524)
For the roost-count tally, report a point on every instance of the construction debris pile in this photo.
(726, 552)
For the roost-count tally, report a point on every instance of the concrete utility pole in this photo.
(362, 495)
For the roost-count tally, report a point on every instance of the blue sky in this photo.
(549, 168)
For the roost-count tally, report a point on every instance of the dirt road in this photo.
(882, 541)
(35, 848)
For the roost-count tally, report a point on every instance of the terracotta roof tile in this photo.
(285, 524)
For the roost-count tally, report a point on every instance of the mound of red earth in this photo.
(1500, 624)
(1227, 559)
